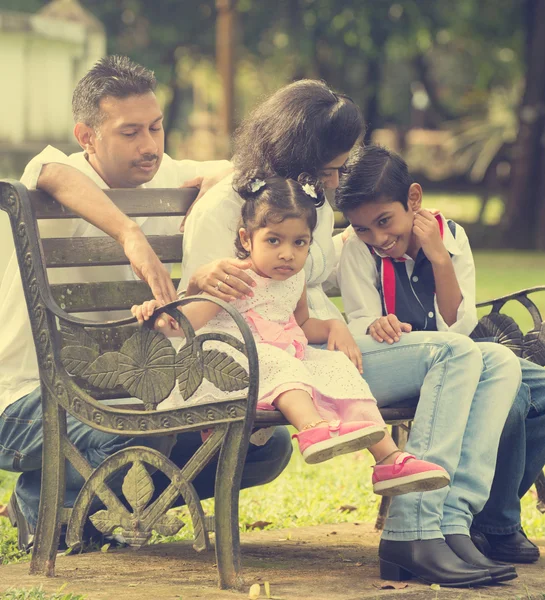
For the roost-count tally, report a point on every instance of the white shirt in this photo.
(19, 373)
(210, 233)
(359, 281)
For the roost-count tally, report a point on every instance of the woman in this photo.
(307, 128)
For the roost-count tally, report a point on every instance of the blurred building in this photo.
(42, 57)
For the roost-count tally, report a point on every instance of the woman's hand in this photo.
(341, 339)
(224, 279)
(388, 328)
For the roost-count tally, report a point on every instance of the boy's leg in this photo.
(521, 457)
(498, 387)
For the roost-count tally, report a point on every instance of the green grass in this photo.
(36, 593)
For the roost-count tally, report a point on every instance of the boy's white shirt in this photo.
(19, 373)
(359, 280)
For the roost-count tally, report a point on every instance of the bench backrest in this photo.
(104, 251)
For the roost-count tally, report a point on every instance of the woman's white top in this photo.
(211, 230)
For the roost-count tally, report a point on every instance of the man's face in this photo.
(127, 147)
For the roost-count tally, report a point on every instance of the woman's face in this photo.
(329, 174)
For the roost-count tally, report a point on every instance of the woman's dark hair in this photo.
(273, 199)
(301, 128)
(373, 174)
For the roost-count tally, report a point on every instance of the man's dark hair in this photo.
(301, 128)
(373, 174)
(115, 76)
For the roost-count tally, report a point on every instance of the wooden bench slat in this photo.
(90, 251)
(99, 296)
(155, 202)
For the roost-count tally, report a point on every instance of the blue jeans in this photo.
(466, 391)
(521, 454)
(21, 445)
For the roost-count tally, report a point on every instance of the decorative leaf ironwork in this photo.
(104, 371)
(224, 372)
(72, 335)
(189, 371)
(503, 328)
(76, 359)
(534, 345)
(146, 366)
(104, 522)
(168, 525)
(138, 487)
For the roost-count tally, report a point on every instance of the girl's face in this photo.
(329, 174)
(387, 226)
(278, 251)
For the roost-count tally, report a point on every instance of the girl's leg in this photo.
(299, 409)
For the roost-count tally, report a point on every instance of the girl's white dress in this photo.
(286, 361)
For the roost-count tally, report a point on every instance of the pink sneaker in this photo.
(322, 443)
(408, 474)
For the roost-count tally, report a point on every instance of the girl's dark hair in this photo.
(373, 173)
(273, 199)
(299, 129)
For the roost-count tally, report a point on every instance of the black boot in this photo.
(431, 561)
(465, 549)
(512, 548)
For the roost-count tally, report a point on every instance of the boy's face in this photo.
(127, 147)
(387, 226)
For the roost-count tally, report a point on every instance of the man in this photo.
(119, 127)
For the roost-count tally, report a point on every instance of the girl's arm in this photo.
(333, 332)
(198, 313)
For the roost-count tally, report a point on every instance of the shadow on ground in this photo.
(307, 563)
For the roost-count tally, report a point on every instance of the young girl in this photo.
(320, 392)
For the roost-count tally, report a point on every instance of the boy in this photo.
(406, 269)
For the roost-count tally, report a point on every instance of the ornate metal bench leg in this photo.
(228, 478)
(46, 539)
(400, 435)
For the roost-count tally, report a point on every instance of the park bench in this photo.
(88, 369)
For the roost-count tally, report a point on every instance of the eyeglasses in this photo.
(329, 171)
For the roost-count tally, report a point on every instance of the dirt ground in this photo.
(314, 563)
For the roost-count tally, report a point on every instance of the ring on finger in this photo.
(226, 277)
(218, 286)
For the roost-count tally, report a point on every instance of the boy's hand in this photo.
(426, 229)
(143, 312)
(388, 329)
(341, 339)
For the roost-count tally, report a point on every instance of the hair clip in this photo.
(256, 185)
(310, 190)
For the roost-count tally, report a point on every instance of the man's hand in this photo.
(147, 266)
(341, 339)
(204, 184)
(426, 229)
(388, 329)
(225, 279)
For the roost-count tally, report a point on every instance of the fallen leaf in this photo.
(347, 508)
(258, 525)
(68, 551)
(391, 585)
(435, 587)
(358, 565)
(255, 590)
(333, 532)
(105, 548)
(267, 589)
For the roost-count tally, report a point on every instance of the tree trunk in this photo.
(524, 219)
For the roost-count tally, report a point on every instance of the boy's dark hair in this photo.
(299, 129)
(373, 173)
(116, 76)
(272, 199)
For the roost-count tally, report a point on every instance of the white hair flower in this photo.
(256, 185)
(310, 190)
